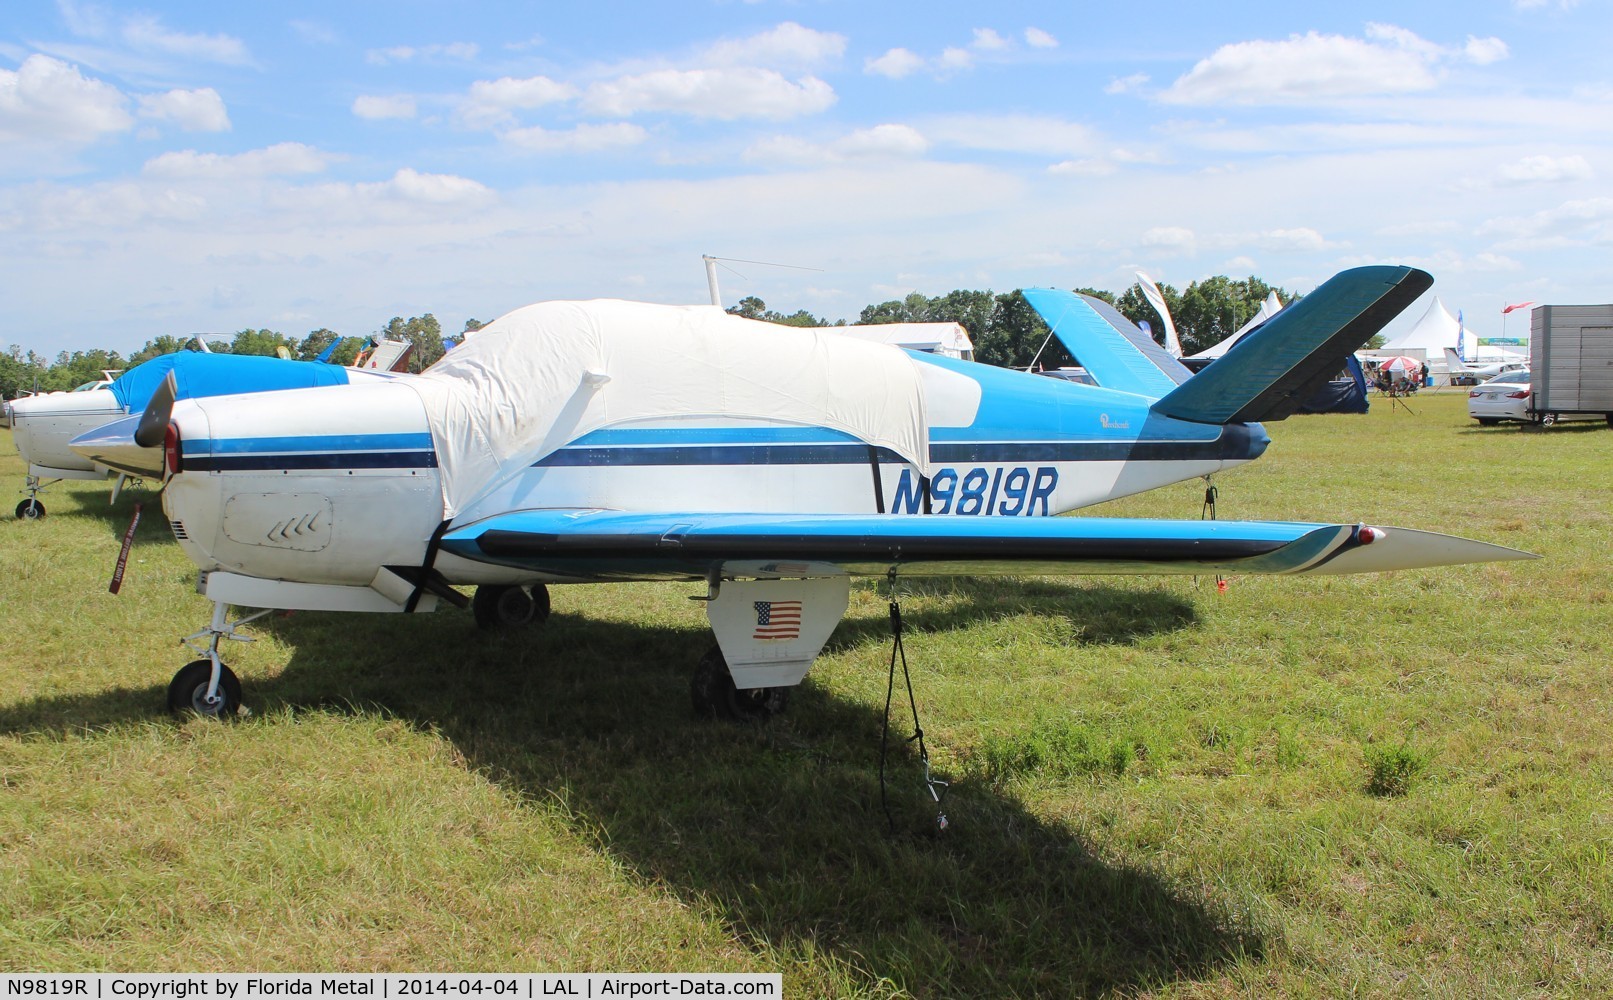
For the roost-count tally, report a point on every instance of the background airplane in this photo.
(43, 426)
(578, 442)
(1456, 369)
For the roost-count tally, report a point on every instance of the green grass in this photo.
(1391, 785)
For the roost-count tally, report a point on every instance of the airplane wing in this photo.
(1106, 344)
(609, 544)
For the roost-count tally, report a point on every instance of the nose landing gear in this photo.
(31, 509)
(207, 686)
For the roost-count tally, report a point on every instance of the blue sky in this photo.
(189, 167)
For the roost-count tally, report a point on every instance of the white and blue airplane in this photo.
(43, 426)
(590, 442)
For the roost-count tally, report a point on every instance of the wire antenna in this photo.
(711, 271)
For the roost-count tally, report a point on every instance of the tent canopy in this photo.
(947, 339)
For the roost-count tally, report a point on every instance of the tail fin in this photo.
(1107, 344)
(1454, 364)
(1267, 374)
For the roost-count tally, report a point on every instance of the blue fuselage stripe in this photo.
(312, 460)
(314, 443)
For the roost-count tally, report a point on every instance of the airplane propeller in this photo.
(154, 422)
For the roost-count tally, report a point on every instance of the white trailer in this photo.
(1571, 362)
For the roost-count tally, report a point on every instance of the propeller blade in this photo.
(154, 422)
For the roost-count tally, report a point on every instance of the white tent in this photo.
(947, 339)
(1267, 310)
(1437, 330)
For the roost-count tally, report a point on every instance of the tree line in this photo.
(22, 371)
(1006, 331)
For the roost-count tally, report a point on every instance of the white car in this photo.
(1505, 397)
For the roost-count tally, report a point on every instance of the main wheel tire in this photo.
(1549, 420)
(187, 692)
(499, 607)
(30, 510)
(714, 695)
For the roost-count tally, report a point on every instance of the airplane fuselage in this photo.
(329, 485)
(42, 426)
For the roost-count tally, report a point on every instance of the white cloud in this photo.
(1032, 134)
(377, 107)
(458, 51)
(582, 139)
(511, 93)
(1170, 241)
(1126, 84)
(282, 159)
(1090, 167)
(724, 94)
(1240, 265)
(987, 40)
(192, 110)
(788, 46)
(883, 140)
(314, 32)
(1297, 240)
(148, 34)
(491, 102)
(955, 58)
(1545, 169)
(895, 64)
(1583, 219)
(436, 189)
(1484, 51)
(1036, 38)
(1315, 67)
(46, 100)
(879, 142)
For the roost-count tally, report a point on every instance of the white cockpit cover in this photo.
(544, 375)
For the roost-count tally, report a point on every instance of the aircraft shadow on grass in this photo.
(153, 528)
(778, 826)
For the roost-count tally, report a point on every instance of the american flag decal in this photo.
(777, 620)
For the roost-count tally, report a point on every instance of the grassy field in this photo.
(1394, 785)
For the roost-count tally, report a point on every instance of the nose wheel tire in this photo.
(715, 696)
(498, 607)
(187, 692)
(30, 510)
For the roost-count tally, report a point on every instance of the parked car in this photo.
(1505, 397)
(1510, 396)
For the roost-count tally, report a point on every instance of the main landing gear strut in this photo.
(206, 686)
(714, 694)
(500, 607)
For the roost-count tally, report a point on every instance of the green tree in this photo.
(73, 370)
(424, 332)
(1016, 336)
(263, 342)
(17, 373)
(156, 347)
(751, 307)
(315, 343)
